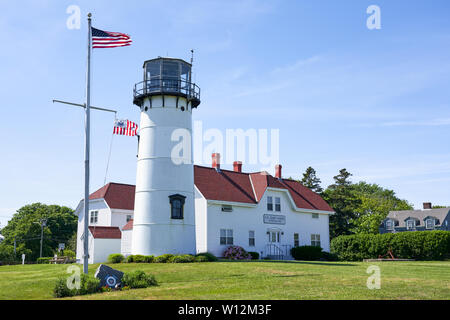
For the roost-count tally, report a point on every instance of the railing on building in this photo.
(168, 86)
(278, 252)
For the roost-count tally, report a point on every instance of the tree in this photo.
(375, 204)
(311, 181)
(26, 229)
(341, 197)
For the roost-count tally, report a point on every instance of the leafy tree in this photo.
(375, 204)
(311, 181)
(72, 243)
(26, 229)
(342, 198)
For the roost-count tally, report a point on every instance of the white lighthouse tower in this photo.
(164, 218)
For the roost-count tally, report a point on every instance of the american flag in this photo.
(106, 39)
(125, 127)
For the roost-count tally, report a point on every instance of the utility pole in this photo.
(42, 223)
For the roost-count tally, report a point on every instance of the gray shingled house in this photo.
(417, 220)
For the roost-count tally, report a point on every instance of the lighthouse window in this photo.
(177, 205)
(170, 75)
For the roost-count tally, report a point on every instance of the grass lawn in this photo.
(249, 280)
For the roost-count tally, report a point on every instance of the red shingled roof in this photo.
(128, 226)
(117, 195)
(105, 232)
(250, 187)
(225, 185)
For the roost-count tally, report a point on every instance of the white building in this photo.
(179, 208)
(260, 212)
(110, 209)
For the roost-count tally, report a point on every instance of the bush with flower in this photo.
(236, 253)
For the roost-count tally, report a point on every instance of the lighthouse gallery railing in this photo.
(168, 86)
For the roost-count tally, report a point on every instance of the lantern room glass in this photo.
(167, 75)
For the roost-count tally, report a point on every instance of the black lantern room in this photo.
(167, 76)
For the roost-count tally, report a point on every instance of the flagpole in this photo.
(87, 150)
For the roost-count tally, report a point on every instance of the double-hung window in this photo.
(94, 217)
(277, 204)
(315, 240)
(251, 238)
(269, 203)
(296, 240)
(411, 224)
(389, 225)
(226, 236)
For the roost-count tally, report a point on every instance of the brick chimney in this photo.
(237, 166)
(278, 168)
(216, 161)
(427, 205)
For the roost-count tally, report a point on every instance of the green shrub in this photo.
(329, 256)
(88, 285)
(139, 258)
(138, 279)
(44, 260)
(61, 290)
(255, 255)
(115, 258)
(417, 245)
(164, 258)
(130, 258)
(308, 253)
(69, 253)
(201, 259)
(149, 259)
(182, 258)
(209, 256)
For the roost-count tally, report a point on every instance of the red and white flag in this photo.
(125, 127)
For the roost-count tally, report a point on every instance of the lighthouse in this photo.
(164, 217)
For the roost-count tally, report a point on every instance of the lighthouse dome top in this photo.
(167, 76)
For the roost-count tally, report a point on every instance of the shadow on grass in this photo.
(319, 263)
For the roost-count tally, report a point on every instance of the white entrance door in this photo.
(274, 236)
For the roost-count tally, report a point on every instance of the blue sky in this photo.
(373, 101)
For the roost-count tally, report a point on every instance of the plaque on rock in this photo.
(109, 277)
